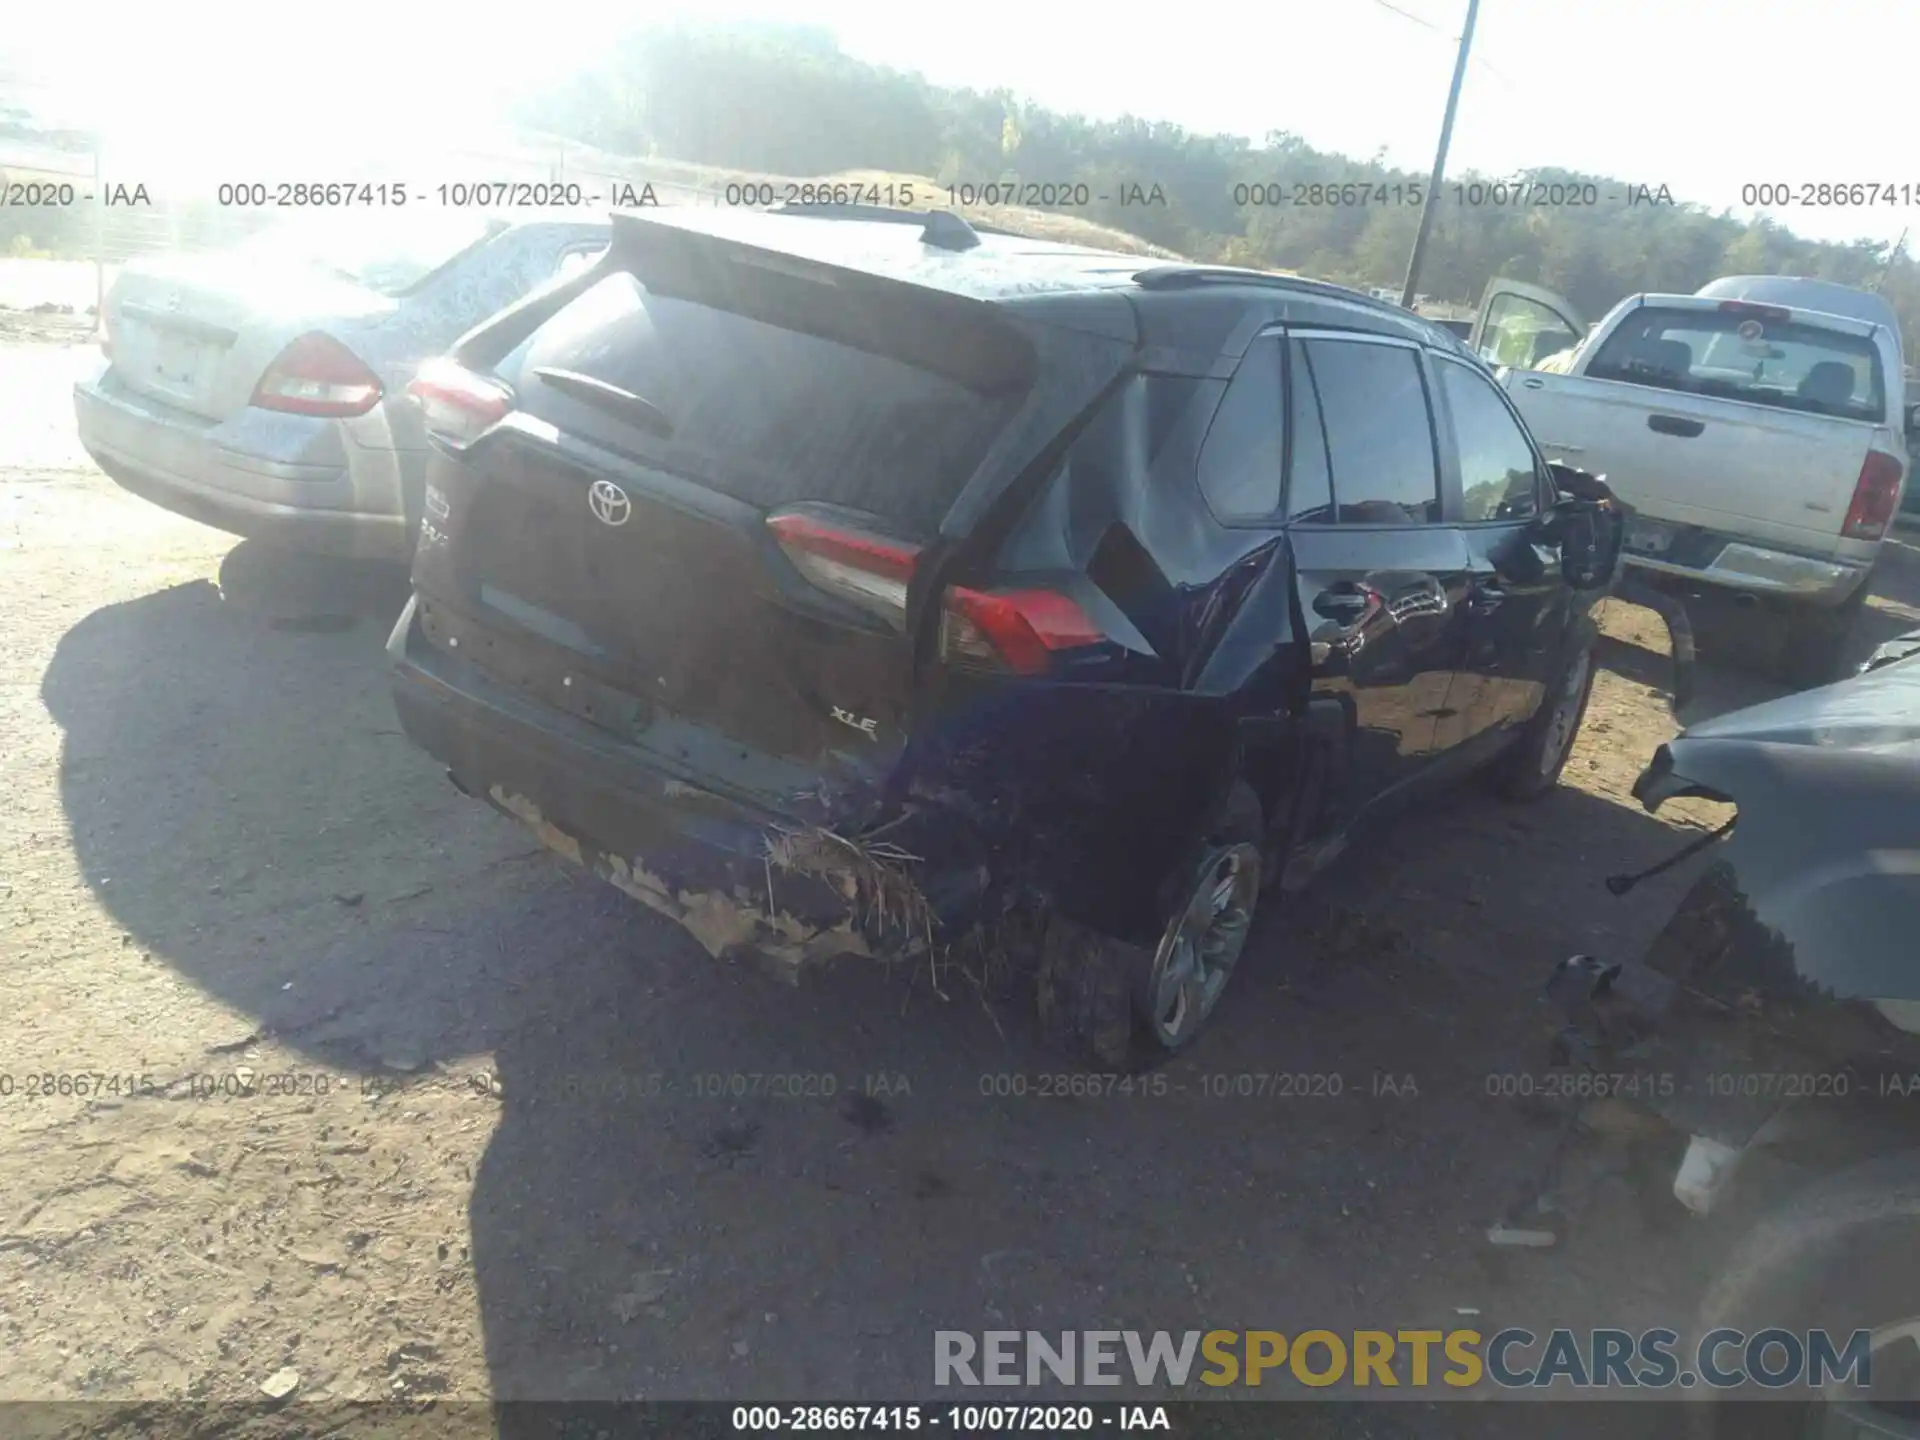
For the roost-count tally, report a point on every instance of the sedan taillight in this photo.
(317, 375)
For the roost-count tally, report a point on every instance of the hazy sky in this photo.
(1701, 95)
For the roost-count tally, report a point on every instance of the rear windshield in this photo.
(764, 414)
(389, 252)
(1736, 356)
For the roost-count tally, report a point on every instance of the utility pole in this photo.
(1432, 196)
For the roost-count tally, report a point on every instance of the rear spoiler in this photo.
(969, 341)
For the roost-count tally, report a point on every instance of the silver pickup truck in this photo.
(1757, 428)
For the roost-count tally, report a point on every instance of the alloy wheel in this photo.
(1202, 944)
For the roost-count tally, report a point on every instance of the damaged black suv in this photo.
(856, 580)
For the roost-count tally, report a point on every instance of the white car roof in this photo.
(1800, 293)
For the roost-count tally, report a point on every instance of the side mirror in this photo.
(1913, 419)
(1590, 527)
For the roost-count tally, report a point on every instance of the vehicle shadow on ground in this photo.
(702, 1184)
(671, 1204)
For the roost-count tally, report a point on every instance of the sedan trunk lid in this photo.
(198, 332)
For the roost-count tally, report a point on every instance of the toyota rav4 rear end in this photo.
(709, 589)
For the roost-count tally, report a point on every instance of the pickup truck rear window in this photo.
(1731, 356)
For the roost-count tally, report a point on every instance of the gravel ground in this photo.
(418, 1112)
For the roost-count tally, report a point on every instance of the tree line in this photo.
(785, 100)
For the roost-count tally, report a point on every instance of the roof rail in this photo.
(941, 228)
(1180, 277)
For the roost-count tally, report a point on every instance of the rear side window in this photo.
(1736, 355)
(765, 414)
(1497, 475)
(1379, 434)
(1240, 462)
(1310, 481)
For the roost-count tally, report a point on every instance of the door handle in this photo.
(1416, 595)
(1346, 603)
(1675, 425)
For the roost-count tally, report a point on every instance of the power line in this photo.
(1420, 20)
(1409, 15)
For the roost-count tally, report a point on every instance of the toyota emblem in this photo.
(609, 503)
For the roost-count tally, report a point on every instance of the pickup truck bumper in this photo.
(1744, 567)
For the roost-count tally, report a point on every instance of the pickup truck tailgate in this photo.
(1770, 474)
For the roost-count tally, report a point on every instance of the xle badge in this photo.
(865, 726)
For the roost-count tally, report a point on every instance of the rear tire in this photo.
(1125, 1007)
(1813, 650)
(1532, 766)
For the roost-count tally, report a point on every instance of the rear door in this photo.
(714, 509)
(1381, 575)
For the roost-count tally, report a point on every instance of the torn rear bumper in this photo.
(701, 858)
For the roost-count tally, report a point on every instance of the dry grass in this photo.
(874, 875)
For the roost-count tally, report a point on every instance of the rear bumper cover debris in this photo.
(717, 866)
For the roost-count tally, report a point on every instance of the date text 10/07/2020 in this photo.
(953, 1419)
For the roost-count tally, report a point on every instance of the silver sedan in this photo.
(261, 389)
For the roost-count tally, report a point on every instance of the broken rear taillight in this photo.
(456, 403)
(867, 569)
(1012, 630)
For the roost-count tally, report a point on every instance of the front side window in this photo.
(1379, 432)
(1498, 480)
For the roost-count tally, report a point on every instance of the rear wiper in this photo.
(632, 408)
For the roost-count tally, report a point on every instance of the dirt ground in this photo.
(380, 1091)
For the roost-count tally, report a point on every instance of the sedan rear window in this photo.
(762, 413)
(1734, 355)
(388, 252)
